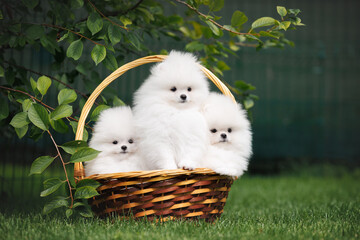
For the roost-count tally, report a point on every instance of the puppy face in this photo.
(115, 144)
(221, 135)
(178, 81)
(114, 132)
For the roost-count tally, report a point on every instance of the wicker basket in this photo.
(160, 194)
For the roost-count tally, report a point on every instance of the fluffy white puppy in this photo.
(229, 136)
(114, 136)
(167, 113)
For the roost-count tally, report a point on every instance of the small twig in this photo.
(63, 163)
(133, 7)
(62, 28)
(245, 44)
(105, 16)
(38, 100)
(217, 24)
(27, 94)
(53, 78)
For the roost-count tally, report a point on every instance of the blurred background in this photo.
(309, 107)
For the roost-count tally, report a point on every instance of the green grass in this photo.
(277, 207)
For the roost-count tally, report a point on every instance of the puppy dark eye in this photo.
(213, 130)
(173, 89)
(229, 130)
(115, 142)
(131, 141)
(189, 89)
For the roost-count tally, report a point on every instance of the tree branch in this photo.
(38, 100)
(62, 28)
(105, 16)
(217, 24)
(63, 163)
(53, 78)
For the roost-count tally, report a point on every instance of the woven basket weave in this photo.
(160, 194)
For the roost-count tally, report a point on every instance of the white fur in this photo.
(114, 124)
(230, 155)
(173, 131)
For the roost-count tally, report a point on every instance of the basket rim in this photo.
(155, 173)
(79, 172)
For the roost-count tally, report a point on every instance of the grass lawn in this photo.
(278, 207)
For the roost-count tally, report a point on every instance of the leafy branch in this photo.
(112, 22)
(53, 78)
(208, 18)
(63, 28)
(64, 167)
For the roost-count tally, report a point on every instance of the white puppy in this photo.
(167, 113)
(229, 134)
(114, 136)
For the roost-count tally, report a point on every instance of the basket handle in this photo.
(79, 172)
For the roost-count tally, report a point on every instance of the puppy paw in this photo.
(227, 171)
(187, 165)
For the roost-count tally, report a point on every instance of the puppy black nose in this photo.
(123, 147)
(183, 96)
(223, 135)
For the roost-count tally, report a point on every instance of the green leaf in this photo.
(88, 182)
(4, 108)
(134, 40)
(262, 22)
(114, 34)
(33, 85)
(281, 11)
(86, 212)
(118, 102)
(248, 103)
(94, 23)
(95, 114)
(30, 3)
(284, 25)
(2, 72)
(76, 4)
(73, 146)
(1, 15)
(59, 126)
(40, 164)
(26, 104)
(85, 192)
(216, 5)
(75, 50)
(43, 84)
(69, 212)
(98, 54)
(126, 21)
(294, 11)
(56, 203)
(35, 32)
(61, 111)
(194, 46)
(39, 116)
(66, 96)
(243, 86)
(50, 186)
(267, 34)
(213, 28)
(35, 133)
(110, 62)
(84, 154)
(20, 120)
(79, 204)
(238, 18)
(21, 131)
